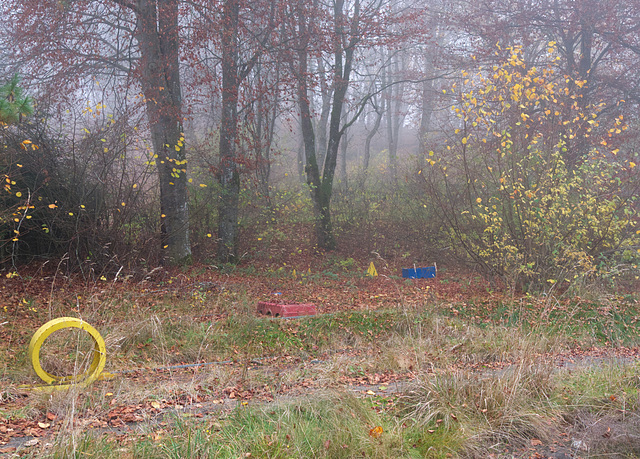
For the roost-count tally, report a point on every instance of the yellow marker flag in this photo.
(372, 270)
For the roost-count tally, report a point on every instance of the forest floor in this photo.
(389, 367)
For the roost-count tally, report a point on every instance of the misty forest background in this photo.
(496, 133)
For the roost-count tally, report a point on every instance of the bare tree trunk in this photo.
(370, 135)
(321, 126)
(229, 176)
(344, 45)
(344, 144)
(263, 129)
(395, 117)
(311, 164)
(321, 199)
(157, 34)
(428, 97)
(300, 156)
(343, 64)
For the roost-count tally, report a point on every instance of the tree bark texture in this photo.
(370, 135)
(308, 136)
(229, 175)
(157, 35)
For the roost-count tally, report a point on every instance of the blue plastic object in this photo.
(419, 273)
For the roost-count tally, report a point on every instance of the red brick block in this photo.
(286, 310)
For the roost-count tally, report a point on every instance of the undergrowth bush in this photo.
(74, 196)
(524, 191)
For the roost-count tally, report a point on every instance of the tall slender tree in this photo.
(158, 39)
(244, 35)
(349, 26)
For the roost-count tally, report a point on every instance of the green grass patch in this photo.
(335, 427)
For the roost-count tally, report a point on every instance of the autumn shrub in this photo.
(524, 191)
(32, 190)
(73, 196)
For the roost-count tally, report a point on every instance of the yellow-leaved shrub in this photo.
(530, 188)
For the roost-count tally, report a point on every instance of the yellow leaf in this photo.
(632, 164)
(18, 194)
(52, 206)
(376, 432)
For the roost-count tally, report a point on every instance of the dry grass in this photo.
(510, 406)
(453, 406)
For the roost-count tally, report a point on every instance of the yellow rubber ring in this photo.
(83, 379)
